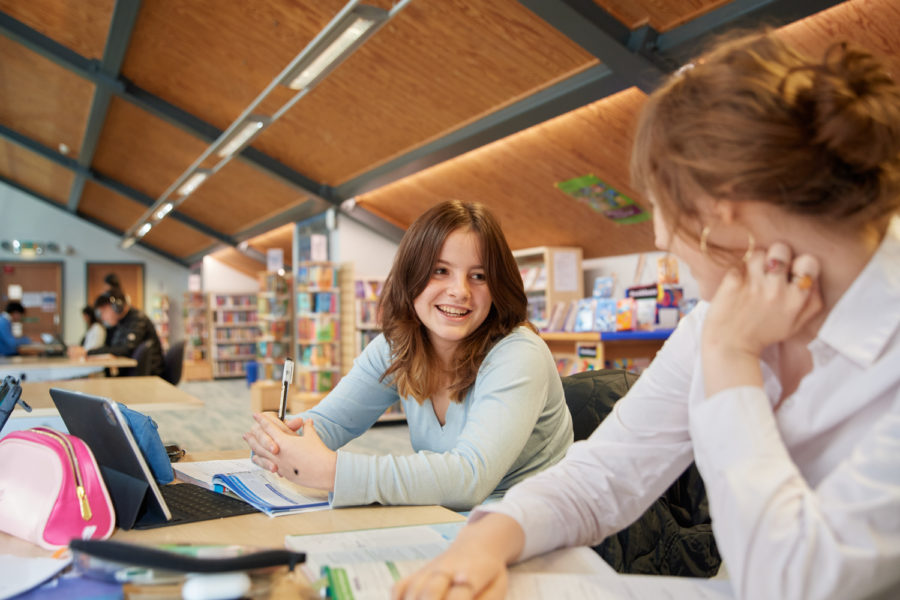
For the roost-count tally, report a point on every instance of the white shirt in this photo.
(95, 336)
(805, 501)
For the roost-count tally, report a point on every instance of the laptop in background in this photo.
(53, 345)
(139, 501)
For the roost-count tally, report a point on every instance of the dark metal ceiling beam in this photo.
(576, 91)
(91, 220)
(121, 25)
(107, 182)
(686, 41)
(592, 28)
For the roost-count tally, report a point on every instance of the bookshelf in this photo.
(366, 293)
(317, 361)
(274, 321)
(367, 328)
(631, 350)
(551, 275)
(159, 314)
(197, 366)
(233, 333)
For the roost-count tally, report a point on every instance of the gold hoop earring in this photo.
(751, 246)
(704, 245)
(704, 235)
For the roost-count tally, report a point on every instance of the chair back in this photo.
(173, 363)
(142, 355)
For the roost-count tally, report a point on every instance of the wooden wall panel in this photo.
(873, 24)
(515, 177)
(79, 25)
(42, 100)
(238, 197)
(143, 151)
(662, 16)
(35, 172)
(435, 67)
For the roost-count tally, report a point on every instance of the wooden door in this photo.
(130, 274)
(41, 294)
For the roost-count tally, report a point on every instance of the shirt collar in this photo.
(868, 314)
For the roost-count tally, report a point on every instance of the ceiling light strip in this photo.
(307, 55)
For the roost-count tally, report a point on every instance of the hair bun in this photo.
(857, 108)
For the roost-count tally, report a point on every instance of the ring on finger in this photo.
(803, 282)
(775, 265)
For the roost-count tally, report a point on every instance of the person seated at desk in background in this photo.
(9, 343)
(130, 326)
(482, 396)
(95, 336)
(776, 178)
(112, 282)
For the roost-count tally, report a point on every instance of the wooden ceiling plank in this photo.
(81, 26)
(569, 94)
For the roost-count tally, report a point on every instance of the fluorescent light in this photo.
(163, 210)
(128, 242)
(193, 182)
(242, 135)
(332, 49)
(143, 229)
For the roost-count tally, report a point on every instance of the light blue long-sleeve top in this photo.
(9, 344)
(512, 424)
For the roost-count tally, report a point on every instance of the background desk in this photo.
(49, 368)
(140, 393)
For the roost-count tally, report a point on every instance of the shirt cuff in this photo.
(352, 479)
(538, 529)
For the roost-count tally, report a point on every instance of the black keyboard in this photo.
(188, 503)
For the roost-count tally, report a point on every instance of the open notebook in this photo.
(266, 491)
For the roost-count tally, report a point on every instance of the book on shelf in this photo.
(584, 315)
(265, 491)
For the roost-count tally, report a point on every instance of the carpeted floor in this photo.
(226, 415)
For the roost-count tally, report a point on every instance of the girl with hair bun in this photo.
(776, 178)
(479, 387)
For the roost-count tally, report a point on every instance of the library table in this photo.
(138, 393)
(50, 368)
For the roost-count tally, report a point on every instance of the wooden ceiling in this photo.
(105, 104)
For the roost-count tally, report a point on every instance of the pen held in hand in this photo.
(286, 378)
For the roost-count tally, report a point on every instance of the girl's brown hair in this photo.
(415, 368)
(754, 120)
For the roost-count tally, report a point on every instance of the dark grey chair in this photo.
(674, 536)
(142, 355)
(173, 363)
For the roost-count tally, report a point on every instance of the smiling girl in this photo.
(482, 396)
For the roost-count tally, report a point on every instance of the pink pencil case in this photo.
(51, 489)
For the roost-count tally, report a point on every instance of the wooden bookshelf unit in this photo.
(603, 347)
